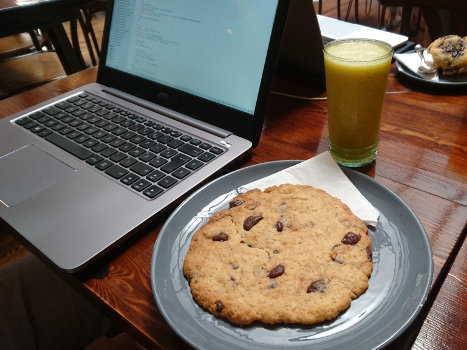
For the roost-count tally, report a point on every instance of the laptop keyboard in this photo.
(142, 154)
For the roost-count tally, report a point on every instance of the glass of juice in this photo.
(356, 76)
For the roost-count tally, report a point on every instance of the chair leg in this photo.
(356, 11)
(381, 15)
(349, 6)
(88, 17)
(85, 30)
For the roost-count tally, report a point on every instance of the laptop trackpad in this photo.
(27, 171)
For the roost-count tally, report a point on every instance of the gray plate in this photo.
(455, 81)
(398, 286)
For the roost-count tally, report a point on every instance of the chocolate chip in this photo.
(369, 254)
(276, 271)
(251, 221)
(275, 251)
(338, 259)
(219, 306)
(221, 236)
(235, 203)
(351, 238)
(279, 226)
(317, 286)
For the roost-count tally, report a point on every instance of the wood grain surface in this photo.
(422, 158)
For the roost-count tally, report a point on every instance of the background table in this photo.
(422, 158)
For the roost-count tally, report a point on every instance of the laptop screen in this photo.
(213, 49)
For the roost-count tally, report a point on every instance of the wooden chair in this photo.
(320, 8)
(454, 11)
(349, 7)
(87, 11)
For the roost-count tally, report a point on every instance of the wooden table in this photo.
(48, 15)
(422, 158)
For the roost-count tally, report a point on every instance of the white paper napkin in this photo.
(412, 61)
(322, 172)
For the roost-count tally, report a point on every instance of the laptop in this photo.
(306, 33)
(301, 52)
(181, 93)
(333, 29)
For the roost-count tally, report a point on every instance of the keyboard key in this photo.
(206, 156)
(63, 105)
(128, 162)
(168, 153)
(157, 162)
(22, 121)
(167, 182)
(140, 185)
(126, 147)
(165, 139)
(65, 130)
(157, 148)
(142, 169)
(116, 171)
(205, 146)
(216, 150)
(108, 138)
(30, 125)
(94, 159)
(51, 110)
(175, 143)
(81, 139)
(175, 162)
(128, 135)
(153, 191)
(104, 164)
(117, 142)
(147, 143)
(146, 157)
(137, 152)
(118, 157)
(44, 133)
(56, 127)
(155, 176)
(90, 143)
(36, 115)
(190, 150)
(99, 147)
(69, 146)
(194, 164)
(137, 139)
(129, 179)
(74, 134)
(181, 173)
(37, 129)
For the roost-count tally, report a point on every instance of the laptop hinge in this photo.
(169, 113)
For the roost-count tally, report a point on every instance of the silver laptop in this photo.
(333, 29)
(181, 93)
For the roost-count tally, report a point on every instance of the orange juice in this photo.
(356, 76)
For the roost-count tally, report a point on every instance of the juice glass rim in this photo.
(341, 41)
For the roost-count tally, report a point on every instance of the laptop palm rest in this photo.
(26, 172)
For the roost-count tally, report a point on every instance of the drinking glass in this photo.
(356, 77)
